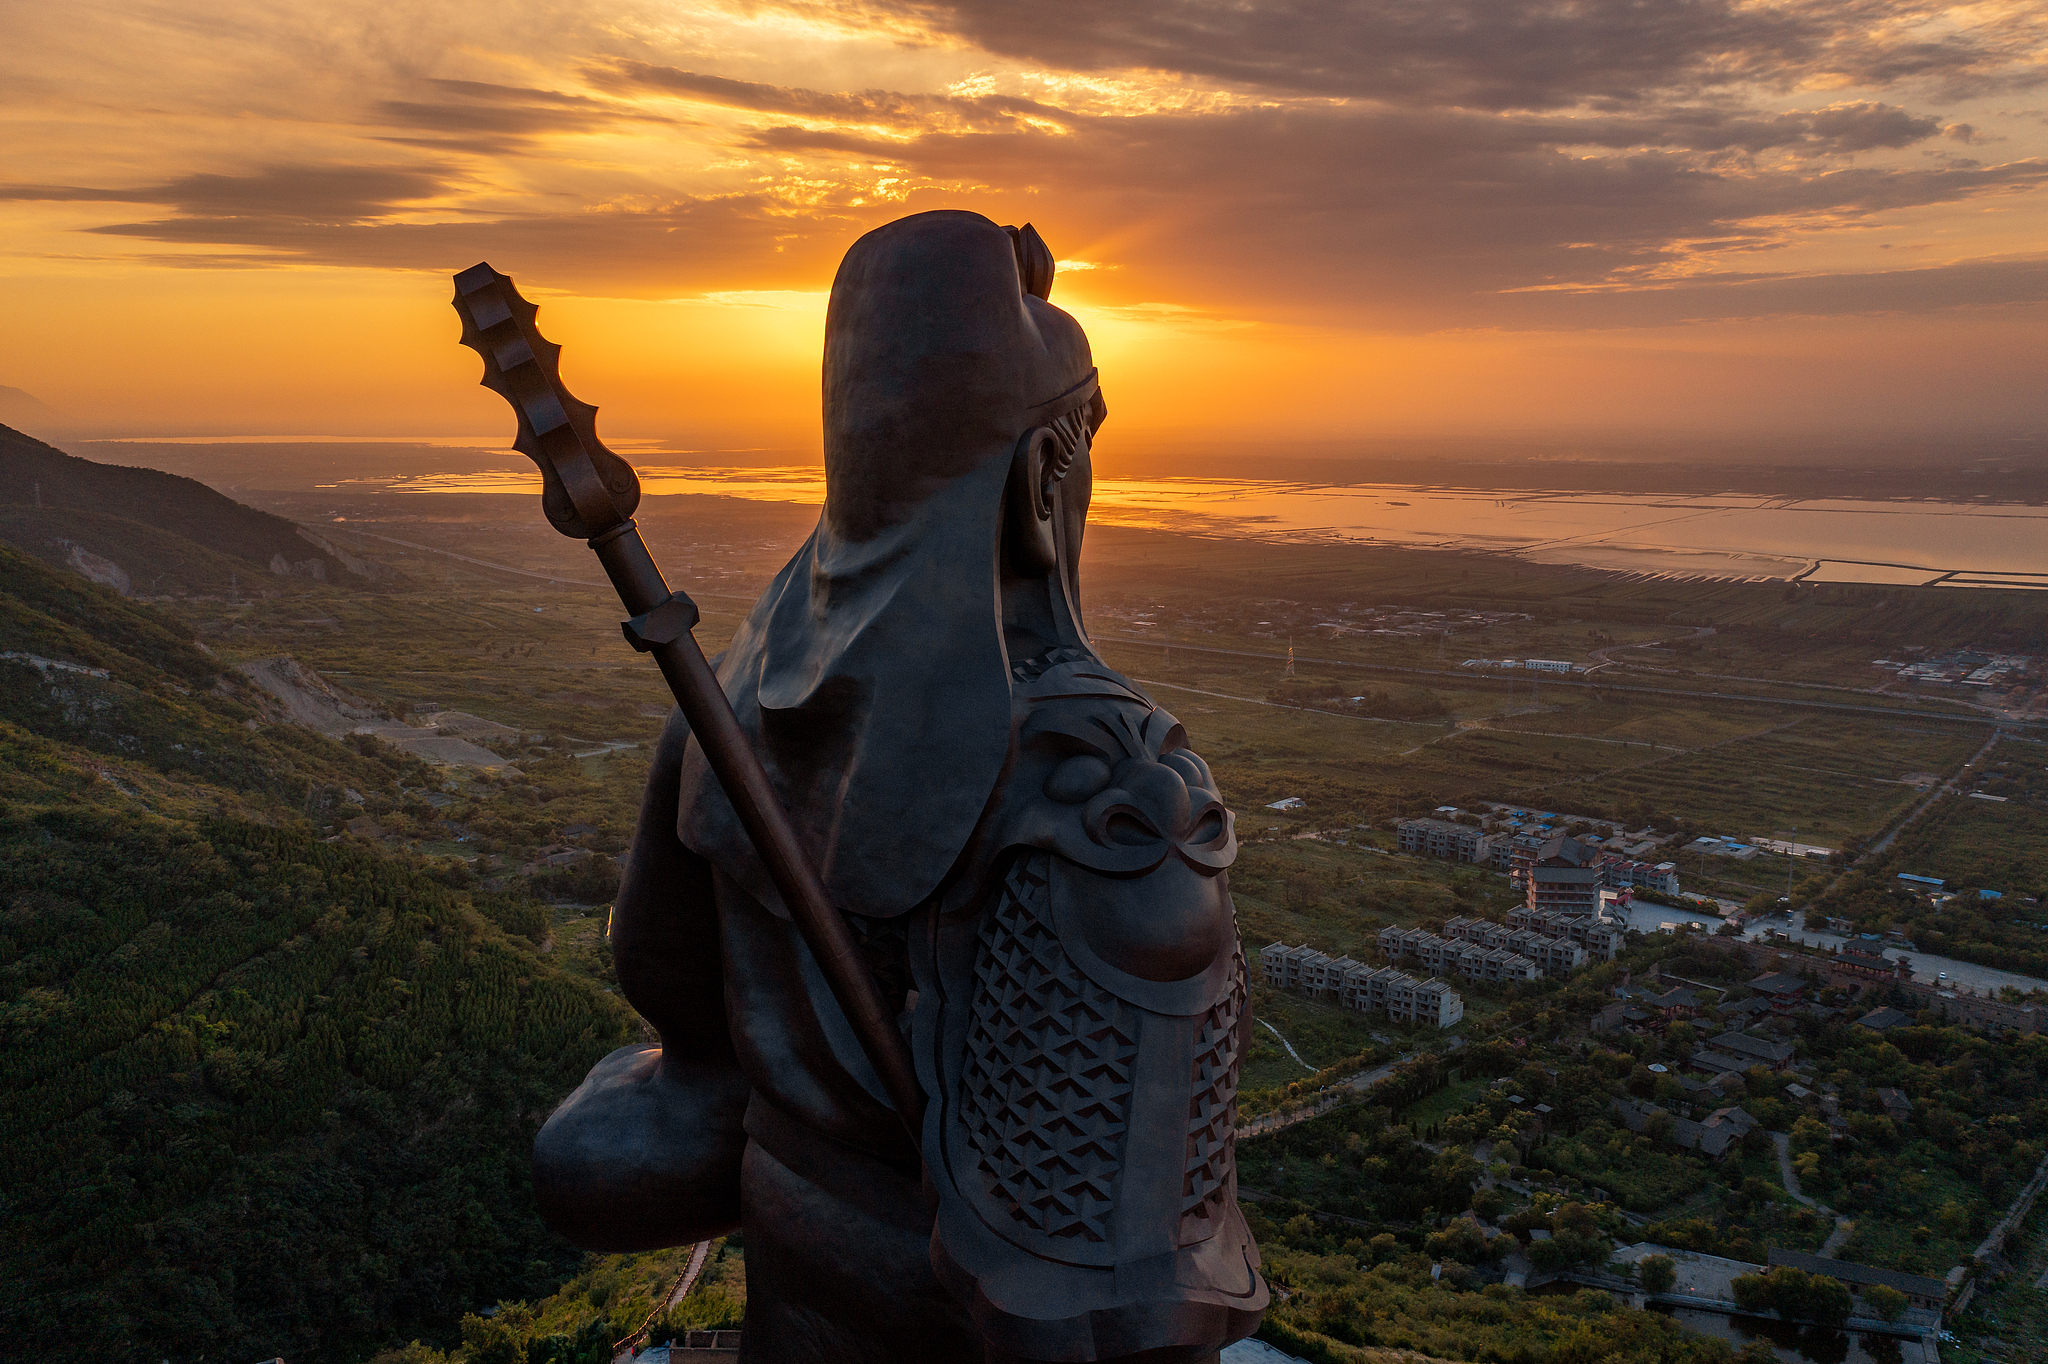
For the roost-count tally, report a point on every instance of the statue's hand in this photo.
(646, 1152)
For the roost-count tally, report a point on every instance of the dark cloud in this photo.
(1361, 216)
(690, 245)
(881, 108)
(334, 193)
(1496, 54)
(1487, 164)
(499, 120)
(1405, 219)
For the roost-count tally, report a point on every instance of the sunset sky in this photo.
(1279, 221)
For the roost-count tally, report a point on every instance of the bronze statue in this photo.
(1024, 863)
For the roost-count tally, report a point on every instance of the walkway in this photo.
(1843, 1226)
(1289, 1045)
(699, 1253)
(1339, 1092)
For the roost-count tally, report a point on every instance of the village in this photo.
(1812, 1087)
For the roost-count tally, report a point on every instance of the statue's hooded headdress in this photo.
(873, 674)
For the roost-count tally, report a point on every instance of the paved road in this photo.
(1946, 788)
(1696, 632)
(1267, 1123)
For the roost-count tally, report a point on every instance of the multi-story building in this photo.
(1564, 878)
(1516, 855)
(1553, 955)
(1440, 956)
(1622, 873)
(1602, 938)
(1424, 1001)
(1285, 967)
(1442, 838)
(1367, 989)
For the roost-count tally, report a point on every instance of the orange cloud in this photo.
(1356, 206)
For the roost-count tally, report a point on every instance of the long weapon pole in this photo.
(591, 492)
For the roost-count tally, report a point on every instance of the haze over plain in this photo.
(1315, 221)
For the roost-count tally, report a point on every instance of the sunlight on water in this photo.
(1728, 535)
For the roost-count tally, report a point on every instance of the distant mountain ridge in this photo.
(146, 532)
(19, 405)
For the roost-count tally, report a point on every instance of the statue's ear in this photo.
(1034, 261)
(1028, 506)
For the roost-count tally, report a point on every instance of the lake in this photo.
(1644, 917)
(1721, 536)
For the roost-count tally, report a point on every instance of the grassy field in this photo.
(1736, 769)
(503, 618)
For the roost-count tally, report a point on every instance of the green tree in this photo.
(1828, 1301)
(1887, 1302)
(1752, 1293)
(1657, 1273)
(499, 1339)
(1461, 1241)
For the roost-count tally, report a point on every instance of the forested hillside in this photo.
(263, 1094)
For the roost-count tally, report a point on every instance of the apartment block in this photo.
(1424, 1001)
(1355, 985)
(1456, 956)
(1442, 838)
(1516, 855)
(1554, 954)
(1603, 939)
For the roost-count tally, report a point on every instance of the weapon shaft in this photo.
(644, 591)
(591, 492)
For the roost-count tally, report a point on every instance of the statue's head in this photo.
(878, 669)
(943, 358)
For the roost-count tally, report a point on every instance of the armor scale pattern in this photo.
(1046, 1089)
(1212, 1109)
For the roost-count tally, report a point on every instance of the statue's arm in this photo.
(646, 1152)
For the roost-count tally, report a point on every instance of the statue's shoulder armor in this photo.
(1105, 781)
